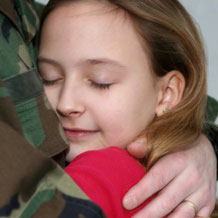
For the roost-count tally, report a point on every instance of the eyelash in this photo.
(100, 85)
(48, 82)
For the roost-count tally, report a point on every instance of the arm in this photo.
(32, 184)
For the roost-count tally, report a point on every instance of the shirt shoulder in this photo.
(105, 176)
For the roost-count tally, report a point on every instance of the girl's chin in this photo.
(69, 156)
(71, 153)
(75, 150)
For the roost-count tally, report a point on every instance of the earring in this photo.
(165, 110)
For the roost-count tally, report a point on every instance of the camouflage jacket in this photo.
(31, 183)
(211, 128)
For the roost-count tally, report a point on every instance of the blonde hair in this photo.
(173, 43)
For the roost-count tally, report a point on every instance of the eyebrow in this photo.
(105, 61)
(93, 62)
(48, 61)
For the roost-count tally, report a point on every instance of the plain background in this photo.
(205, 14)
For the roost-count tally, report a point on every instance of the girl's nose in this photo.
(70, 103)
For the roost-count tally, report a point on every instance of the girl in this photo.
(115, 71)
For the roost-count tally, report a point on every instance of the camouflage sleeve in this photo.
(31, 183)
(211, 128)
(211, 110)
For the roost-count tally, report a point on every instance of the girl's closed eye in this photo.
(102, 80)
(50, 78)
(98, 85)
(48, 82)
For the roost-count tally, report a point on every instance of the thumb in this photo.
(138, 148)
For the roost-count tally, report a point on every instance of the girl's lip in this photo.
(75, 134)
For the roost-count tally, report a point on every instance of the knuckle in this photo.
(168, 204)
(197, 175)
(182, 211)
(195, 179)
(180, 160)
(159, 178)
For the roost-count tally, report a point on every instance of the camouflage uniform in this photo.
(31, 183)
(211, 129)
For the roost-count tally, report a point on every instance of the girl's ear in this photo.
(171, 90)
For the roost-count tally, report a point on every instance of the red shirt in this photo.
(105, 176)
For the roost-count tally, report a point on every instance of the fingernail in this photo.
(130, 202)
(143, 140)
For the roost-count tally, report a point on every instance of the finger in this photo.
(152, 182)
(205, 210)
(169, 198)
(187, 208)
(138, 148)
(183, 210)
(194, 206)
(208, 208)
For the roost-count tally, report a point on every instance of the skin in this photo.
(191, 176)
(93, 90)
(72, 83)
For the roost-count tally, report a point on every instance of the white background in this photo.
(205, 13)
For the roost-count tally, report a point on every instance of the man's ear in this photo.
(172, 86)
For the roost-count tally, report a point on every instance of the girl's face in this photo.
(96, 76)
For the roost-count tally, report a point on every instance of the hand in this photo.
(185, 175)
